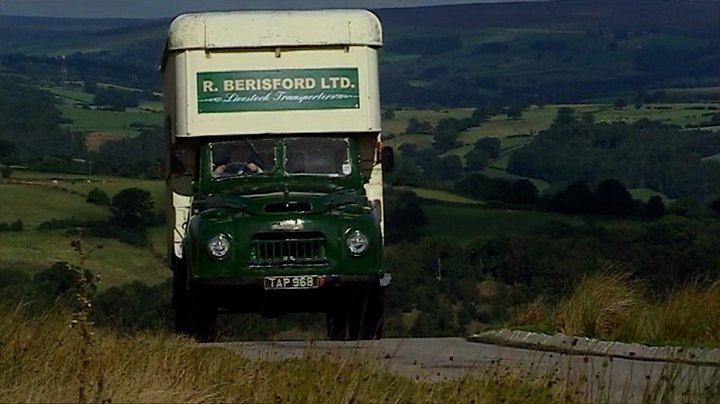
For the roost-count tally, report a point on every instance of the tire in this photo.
(203, 322)
(181, 298)
(337, 323)
(192, 317)
(367, 316)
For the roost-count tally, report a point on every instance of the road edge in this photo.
(573, 345)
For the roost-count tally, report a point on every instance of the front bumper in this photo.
(248, 294)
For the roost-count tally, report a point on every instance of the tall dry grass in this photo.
(40, 359)
(601, 306)
(690, 315)
(610, 305)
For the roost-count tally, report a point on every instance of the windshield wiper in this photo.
(254, 150)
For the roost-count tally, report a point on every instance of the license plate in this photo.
(291, 282)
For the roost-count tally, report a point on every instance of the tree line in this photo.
(644, 154)
(31, 136)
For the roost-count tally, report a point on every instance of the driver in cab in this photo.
(233, 159)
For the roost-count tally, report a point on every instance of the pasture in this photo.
(81, 185)
(43, 197)
(464, 223)
(75, 106)
(116, 263)
(34, 204)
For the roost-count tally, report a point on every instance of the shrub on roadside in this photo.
(602, 306)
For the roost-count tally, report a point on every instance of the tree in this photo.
(655, 208)
(417, 127)
(116, 98)
(97, 196)
(476, 160)
(565, 115)
(406, 219)
(451, 167)
(5, 172)
(491, 145)
(445, 134)
(407, 173)
(408, 150)
(522, 191)
(430, 163)
(612, 198)
(132, 208)
(514, 112)
(479, 186)
(576, 198)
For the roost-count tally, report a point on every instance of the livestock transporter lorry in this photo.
(275, 199)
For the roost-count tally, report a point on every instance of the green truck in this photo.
(275, 198)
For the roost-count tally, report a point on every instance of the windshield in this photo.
(317, 156)
(242, 157)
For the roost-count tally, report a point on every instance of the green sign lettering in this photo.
(278, 90)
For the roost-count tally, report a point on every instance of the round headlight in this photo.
(219, 246)
(357, 243)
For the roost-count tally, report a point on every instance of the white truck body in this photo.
(245, 73)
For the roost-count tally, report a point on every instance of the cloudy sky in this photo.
(169, 8)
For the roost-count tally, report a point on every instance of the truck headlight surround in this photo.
(219, 247)
(357, 242)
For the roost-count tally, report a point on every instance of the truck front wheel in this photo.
(181, 299)
(192, 317)
(337, 322)
(366, 316)
(203, 319)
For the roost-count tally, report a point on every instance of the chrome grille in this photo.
(287, 249)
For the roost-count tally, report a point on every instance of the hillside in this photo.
(518, 129)
(460, 55)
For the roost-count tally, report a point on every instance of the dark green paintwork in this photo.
(235, 207)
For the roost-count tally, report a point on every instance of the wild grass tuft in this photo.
(690, 315)
(602, 306)
(611, 305)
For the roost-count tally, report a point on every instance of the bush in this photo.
(5, 172)
(99, 197)
(12, 226)
(67, 223)
(132, 208)
(601, 306)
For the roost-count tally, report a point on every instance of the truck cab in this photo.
(275, 200)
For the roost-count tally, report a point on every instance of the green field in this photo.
(36, 204)
(535, 119)
(514, 133)
(440, 195)
(465, 223)
(115, 262)
(114, 122)
(76, 107)
(399, 122)
(82, 184)
(55, 196)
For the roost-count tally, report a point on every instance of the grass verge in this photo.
(613, 306)
(41, 358)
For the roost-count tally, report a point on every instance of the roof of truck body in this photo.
(260, 29)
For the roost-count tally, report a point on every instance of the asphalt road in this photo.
(604, 378)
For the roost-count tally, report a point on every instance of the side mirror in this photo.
(387, 159)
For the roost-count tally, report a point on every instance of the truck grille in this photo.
(288, 249)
